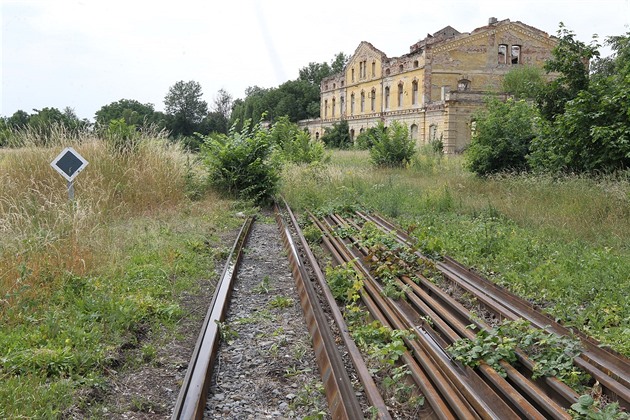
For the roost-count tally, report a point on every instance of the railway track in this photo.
(426, 310)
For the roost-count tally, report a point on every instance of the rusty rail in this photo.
(340, 394)
(609, 368)
(481, 393)
(192, 397)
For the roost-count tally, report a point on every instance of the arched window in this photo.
(333, 107)
(373, 68)
(342, 109)
(415, 64)
(414, 132)
(400, 68)
(502, 54)
(373, 100)
(362, 101)
(326, 108)
(387, 71)
(432, 132)
(387, 97)
(317, 135)
(352, 134)
(352, 104)
(400, 95)
(463, 84)
(352, 72)
(414, 92)
(516, 54)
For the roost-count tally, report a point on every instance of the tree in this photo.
(570, 62)
(130, 110)
(503, 133)
(184, 107)
(593, 132)
(524, 82)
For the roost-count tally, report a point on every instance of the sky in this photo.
(85, 54)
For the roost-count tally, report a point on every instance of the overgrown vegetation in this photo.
(559, 241)
(577, 123)
(84, 283)
(392, 146)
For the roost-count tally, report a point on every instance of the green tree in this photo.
(392, 146)
(18, 120)
(185, 108)
(570, 63)
(295, 145)
(524, 82)
(593, 132)
(502, 138)
(130, 110)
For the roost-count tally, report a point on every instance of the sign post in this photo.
(69, 163)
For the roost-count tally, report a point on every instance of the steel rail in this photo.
(373, 395)
(514, 397)
(608, 367)
(449, 379)
(426, 385)
(193, 394)
(340, 394)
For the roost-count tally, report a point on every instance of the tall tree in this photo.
(185, 108)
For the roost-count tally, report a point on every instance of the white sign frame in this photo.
(76, 154)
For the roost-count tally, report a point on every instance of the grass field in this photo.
(82, 281)
(563, 243)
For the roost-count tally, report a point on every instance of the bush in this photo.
(241, 164)
(392, 146)
(338, 136)
(366, 139)
(121, 137)
(296, 145)
(503, 134)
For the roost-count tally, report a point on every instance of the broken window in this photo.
(373, 100)
(373, 69)
(362, 101)
(333, 107)
(502, 54)
(326, 108)
(414, 92)
(415, 64)
(341, 106)
(516, 54)
(352, 75)
(352, 104)
(400, 68)
(387, 72)
(463, 84)
(400, 95)
(387, 97)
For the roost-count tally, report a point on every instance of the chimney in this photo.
(492, 21)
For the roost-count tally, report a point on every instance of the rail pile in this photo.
(430, 310)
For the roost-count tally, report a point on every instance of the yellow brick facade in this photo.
(435, 88)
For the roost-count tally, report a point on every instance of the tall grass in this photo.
(561, 242)
(78, 280)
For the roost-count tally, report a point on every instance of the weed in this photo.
(263, 286)
(281, 302)
(227, 333)
(586, 408)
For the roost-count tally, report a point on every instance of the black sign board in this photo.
(69, 163)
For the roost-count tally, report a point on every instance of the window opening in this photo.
(502, 54)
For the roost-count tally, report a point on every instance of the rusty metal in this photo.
(374, 396)
(192, 397)
(340, 394)
(609, 368)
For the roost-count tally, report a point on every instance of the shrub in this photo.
(366, 139)
(338, 136)
(121, 137)
(392, 146)
(296, 145)
(241, 164)
(503, 134)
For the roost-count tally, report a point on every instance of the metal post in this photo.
(71, 190)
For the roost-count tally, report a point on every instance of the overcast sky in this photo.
(85, 54)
